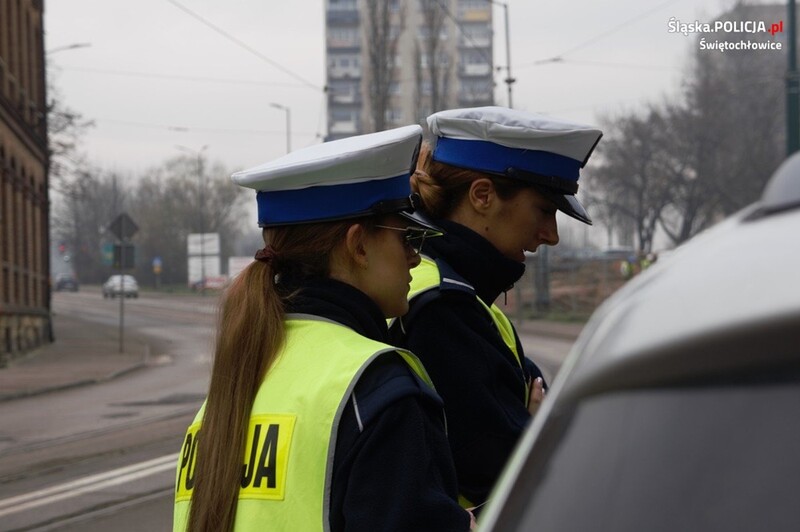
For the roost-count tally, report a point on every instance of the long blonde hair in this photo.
(250, 335)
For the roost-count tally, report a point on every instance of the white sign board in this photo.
(209, 267)
(203, 244)
(237, 264)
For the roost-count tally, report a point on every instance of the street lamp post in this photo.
(201, 209)
(288, 124)
(509, 78)
(792, 87)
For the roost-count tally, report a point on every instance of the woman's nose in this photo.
(548, 233)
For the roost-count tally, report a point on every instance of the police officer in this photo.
(312, 420)
(493, 181)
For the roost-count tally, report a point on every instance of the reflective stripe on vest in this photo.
(288, 458)
(426, 277)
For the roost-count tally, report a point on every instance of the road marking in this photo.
(88, 484)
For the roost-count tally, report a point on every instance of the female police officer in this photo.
(313, 422)
(493, 182)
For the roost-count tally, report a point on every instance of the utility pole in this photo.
(201, 208)
(288, 124)
(509, 78)
(792, 87)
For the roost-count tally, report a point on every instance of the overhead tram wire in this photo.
(179, 78)
(185, 129)
(560, 57)
(610, 65)
(245, 46)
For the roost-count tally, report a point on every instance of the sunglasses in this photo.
(413, 237)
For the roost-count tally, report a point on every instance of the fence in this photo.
(576, 289)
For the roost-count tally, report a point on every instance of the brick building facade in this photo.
(24, 207)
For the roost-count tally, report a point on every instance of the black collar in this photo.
(475, 259)
(340, 302)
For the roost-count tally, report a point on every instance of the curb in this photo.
(75, 384)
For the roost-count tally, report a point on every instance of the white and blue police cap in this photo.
(543, 151)
(348, 178)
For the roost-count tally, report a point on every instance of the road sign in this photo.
(107, 253)
(124, 256)
(198, 244)
(123, 227)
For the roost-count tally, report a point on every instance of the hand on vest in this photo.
(536, 395)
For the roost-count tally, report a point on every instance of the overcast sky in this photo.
(155, 76)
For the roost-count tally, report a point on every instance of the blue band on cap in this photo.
(328, 202)
(485, 156)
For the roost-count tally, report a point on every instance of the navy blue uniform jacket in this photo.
(392, 468)
(476, 374)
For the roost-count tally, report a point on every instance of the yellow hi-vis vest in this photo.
(288, 457)
(426, 276)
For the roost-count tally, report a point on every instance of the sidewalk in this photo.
(83, 353)
(558, 329)
(87, 353)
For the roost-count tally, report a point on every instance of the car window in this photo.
(720, 457)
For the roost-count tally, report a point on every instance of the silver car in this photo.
(679, 406)
(121, 285)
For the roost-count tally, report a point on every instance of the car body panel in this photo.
(121, 284)
(703, 351)
(66, 281)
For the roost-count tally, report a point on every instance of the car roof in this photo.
(705, 308)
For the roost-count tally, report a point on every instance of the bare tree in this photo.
(383, 33)
(65, 127)
(88, 202)
(437, 67)
(712, 149)
(630, 178)
(167, 205)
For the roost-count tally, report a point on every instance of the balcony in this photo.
(343, 128)
(346, 97)
(475, 41)
(475, 98)
(479, 69)
(338, 72)
(474, 14)
(334, 43)
(347, 17)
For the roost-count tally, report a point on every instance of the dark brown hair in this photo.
(442, 187)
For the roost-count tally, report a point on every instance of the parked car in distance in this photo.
(66, 281)
(121, 285)
(677, 408)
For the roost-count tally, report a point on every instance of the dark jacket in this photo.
(477, 375)
(392, 467)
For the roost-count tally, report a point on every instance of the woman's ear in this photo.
(356, 245)
(482, 195)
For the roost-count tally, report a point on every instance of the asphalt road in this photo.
(102, 457)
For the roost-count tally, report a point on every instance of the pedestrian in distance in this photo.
(493, 181)
(312, 420)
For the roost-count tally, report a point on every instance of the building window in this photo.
(344, 115)
(342, 5)
(343, 37)
(344, 65)
(426, 87)
(394, 115)
(424, 32)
